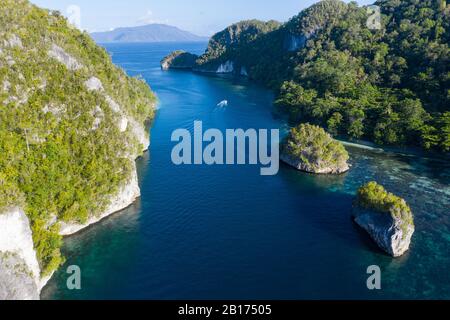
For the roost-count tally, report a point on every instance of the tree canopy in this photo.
(389, 85)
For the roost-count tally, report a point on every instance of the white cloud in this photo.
(149, 18)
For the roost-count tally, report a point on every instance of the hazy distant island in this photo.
(147, 34)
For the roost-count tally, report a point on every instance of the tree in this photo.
(444, 129)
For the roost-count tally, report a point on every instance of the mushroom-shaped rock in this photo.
(309, 148)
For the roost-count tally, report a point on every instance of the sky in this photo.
(201, 17)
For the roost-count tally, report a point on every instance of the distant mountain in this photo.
(147, 33)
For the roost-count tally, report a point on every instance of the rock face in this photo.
(310, 149)
(16, 282)
(385, 230)
(125, 197)
(386, 218)
(19, 268)
(141, 133)
(139, 130)
(317, 168)
(227, 67)
(59, 54)
(188, 61)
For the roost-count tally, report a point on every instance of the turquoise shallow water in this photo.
(225, 232)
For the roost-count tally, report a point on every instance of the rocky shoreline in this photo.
(299, 165)
(126, 196)
(385, 231)
(311, 149)
(19, 268)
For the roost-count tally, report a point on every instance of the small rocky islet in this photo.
(311, 149)
(384, 216)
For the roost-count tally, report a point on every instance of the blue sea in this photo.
(226, 232)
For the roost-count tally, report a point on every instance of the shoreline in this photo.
(126, 196)
(130, 190)
(291, 163)
(78, 228)
(406, 151)
(401, 151)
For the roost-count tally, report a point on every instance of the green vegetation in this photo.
(233, 42)
(373, 196)
(179, 59)
(61, 153)
(390, 86)
(315, 149)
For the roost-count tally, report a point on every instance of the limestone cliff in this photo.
(127, 194)
(386, 230)
(71, 126)
(19, 267)
(386, 218)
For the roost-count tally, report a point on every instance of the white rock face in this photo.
(317, 169)
(55, 110)
(98, 117)
(94, 84)
(123, 124)
(126, 196)
(6, 85)
(115, 107)
(17, 250)
(227, 67)
(14, 41)
(96, 124)
(15, 280)
(59, 54)
(140, 132)
(386, 231)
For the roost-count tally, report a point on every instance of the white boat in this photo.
(222, 104)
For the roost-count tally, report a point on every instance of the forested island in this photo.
(327, 67)
(309, 148)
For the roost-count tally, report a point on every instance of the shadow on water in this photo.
(114, 239)
(336, 204)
